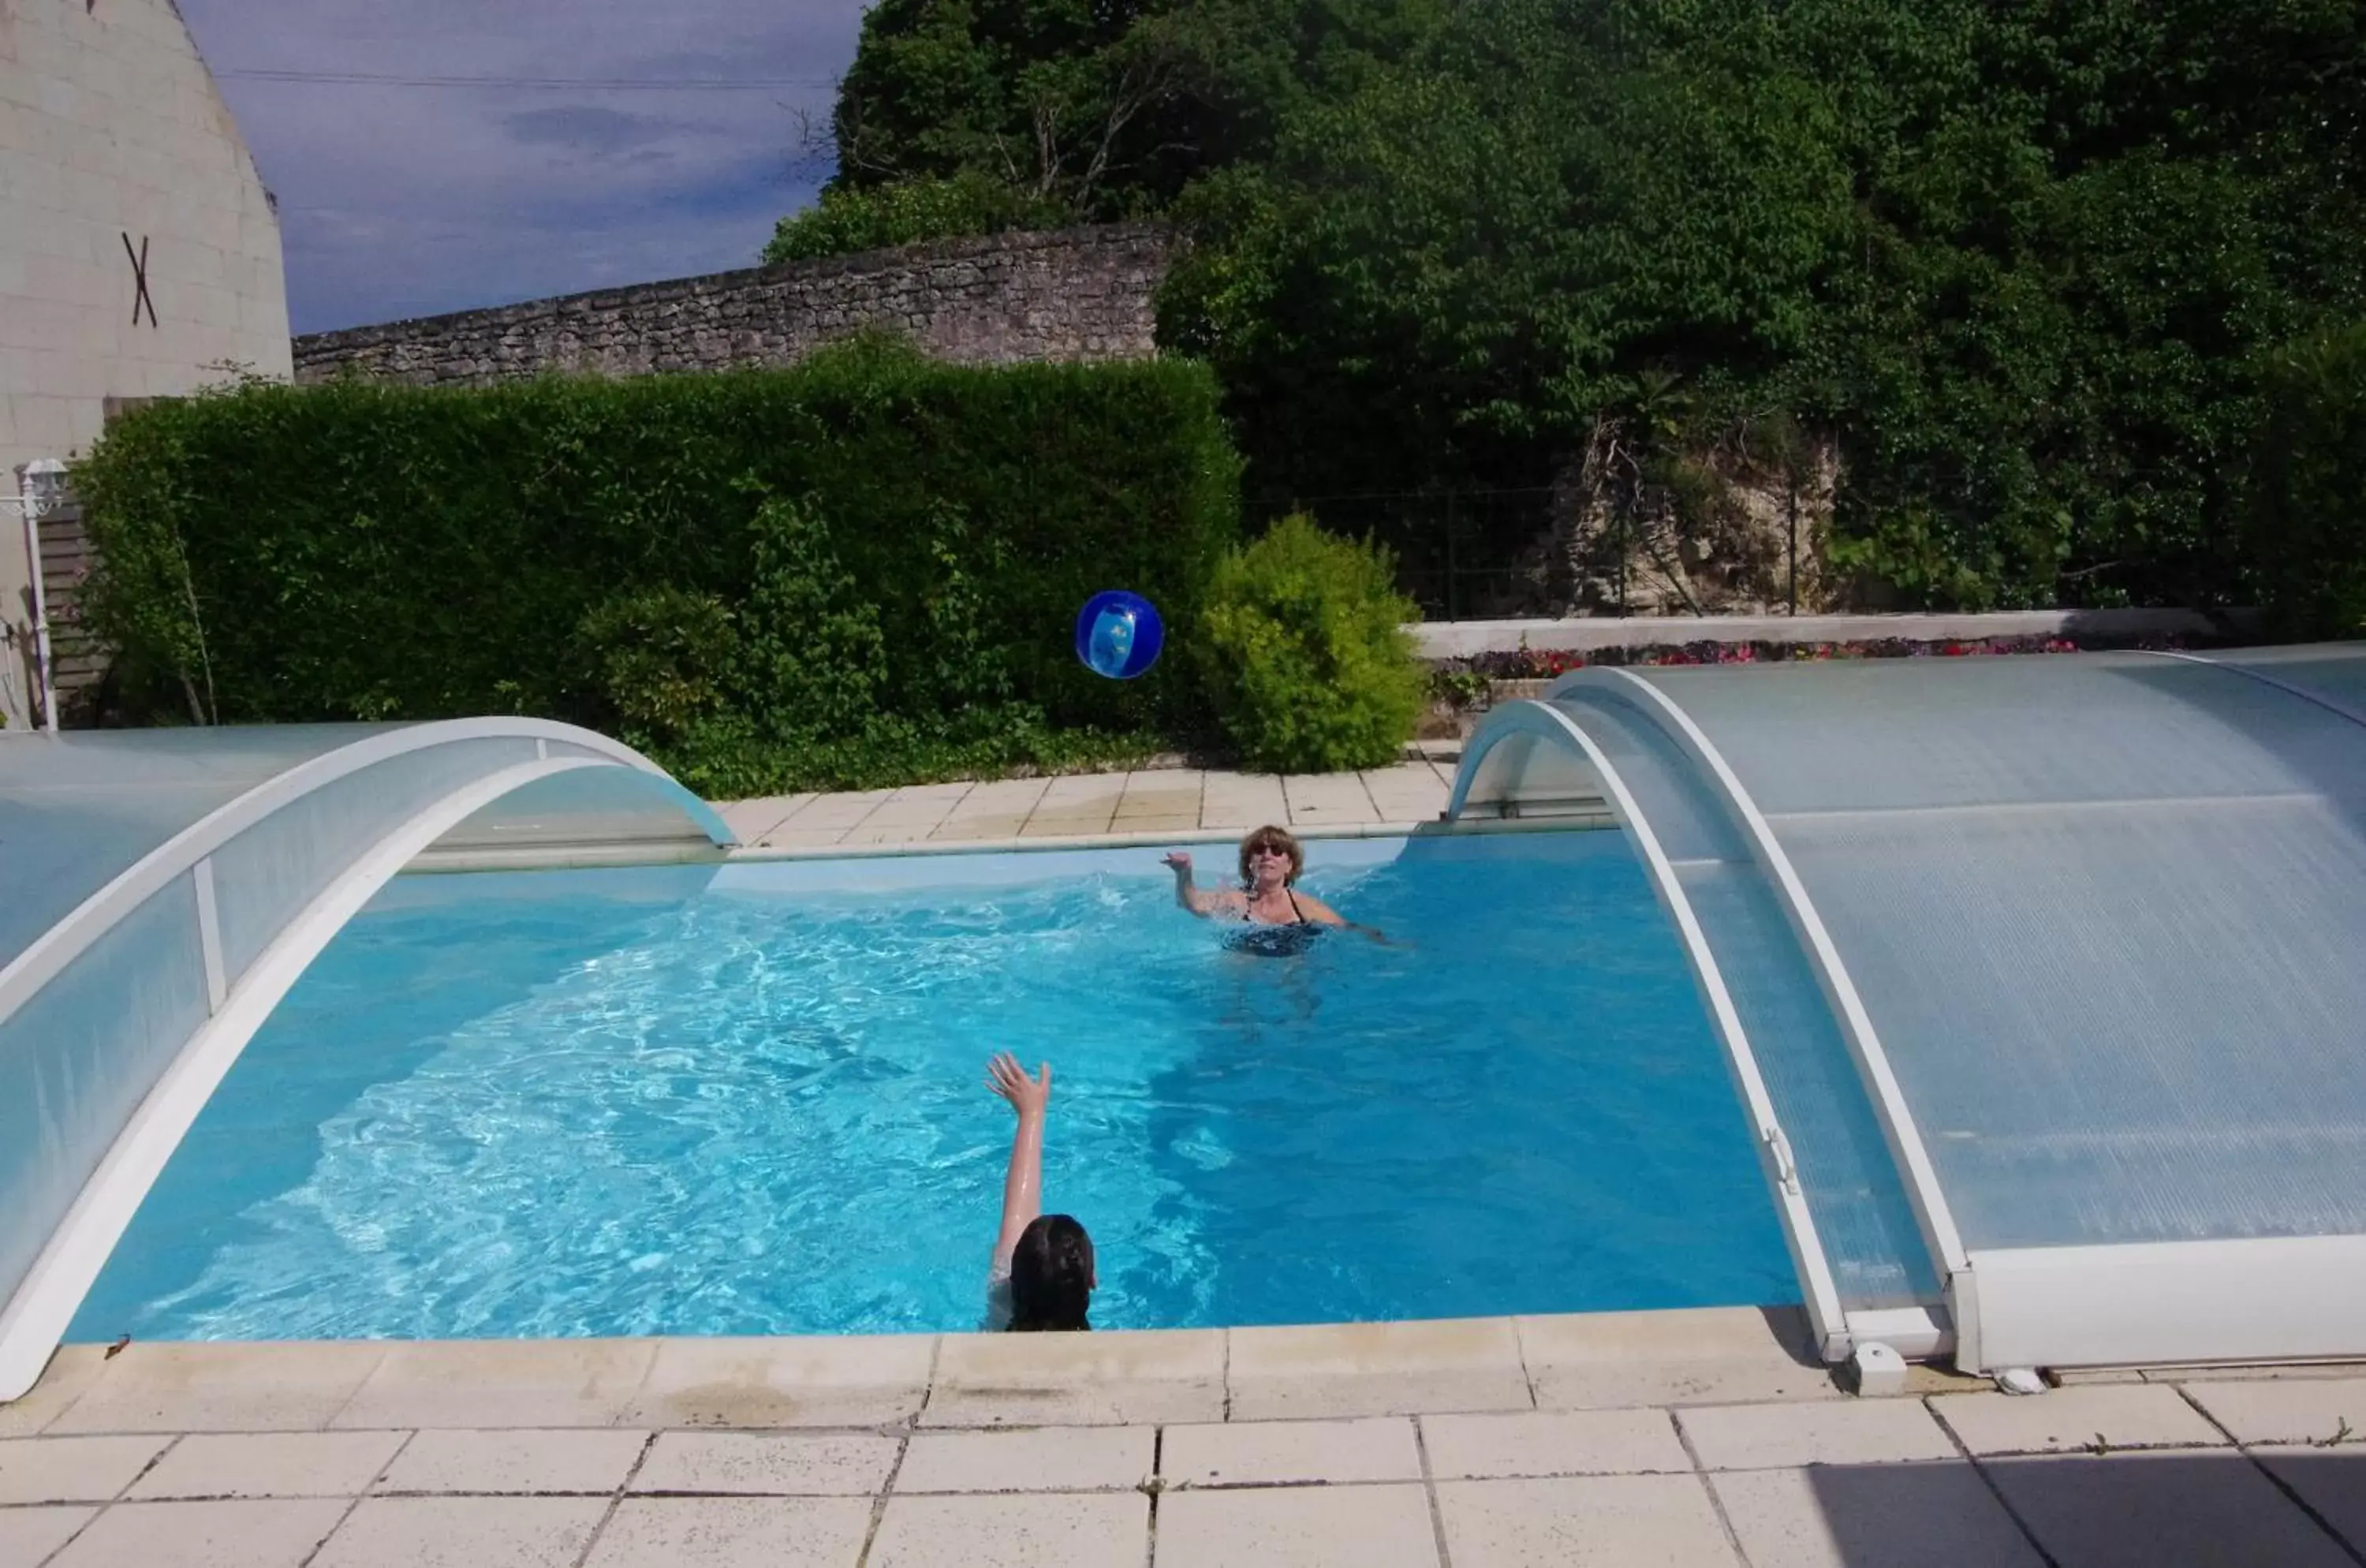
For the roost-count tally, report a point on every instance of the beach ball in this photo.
(1119, 635)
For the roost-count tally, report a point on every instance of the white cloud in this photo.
(404, 200)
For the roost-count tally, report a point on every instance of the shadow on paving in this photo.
(2275, 1508)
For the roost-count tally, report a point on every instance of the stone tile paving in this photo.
(1174, 1449)
(1148, 801)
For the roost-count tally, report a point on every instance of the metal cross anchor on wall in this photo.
(140, 280)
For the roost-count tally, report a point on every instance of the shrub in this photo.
(1304, 653)
(875, 217)
(2306, 528)
(861, 568)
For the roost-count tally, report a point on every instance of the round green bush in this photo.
(1303, 650)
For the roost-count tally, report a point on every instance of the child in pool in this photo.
(1043, 1277)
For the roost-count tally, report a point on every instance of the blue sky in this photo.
(404, 200)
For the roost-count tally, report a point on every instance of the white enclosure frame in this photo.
(43, 1302)
(2230, 1299)
(1821, 1296)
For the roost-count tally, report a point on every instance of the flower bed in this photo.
(1471, 683)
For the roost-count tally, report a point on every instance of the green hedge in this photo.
(2307, 522)
(830, 574)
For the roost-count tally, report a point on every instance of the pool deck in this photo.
(1682, 1439)
(1152, 803)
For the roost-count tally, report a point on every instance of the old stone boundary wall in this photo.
(1073, 294)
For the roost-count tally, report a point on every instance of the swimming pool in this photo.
(680, 1100)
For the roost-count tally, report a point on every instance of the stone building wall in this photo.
(1073, 294)
(138, 252)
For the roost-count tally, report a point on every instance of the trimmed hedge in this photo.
(2307, 523)
(767, 576)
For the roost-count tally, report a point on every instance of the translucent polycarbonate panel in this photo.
(78, 810)
(264, 876)
(604, 805)
(2105, 913)
(1861, 1212)
(2130, 1023)
(2334, 673)
(1882, 734)
(1533, 771)
(79, 1058)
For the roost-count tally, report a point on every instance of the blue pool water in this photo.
(661, 1101)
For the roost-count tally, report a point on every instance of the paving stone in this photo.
(280, 1533)
(1537, 1443)
(925, 812)
(976, 828)
(807, 1381)
(495, 1383)
(2293, 1410)
(1298, 1527)
(2331, 1480)
(840, 809)
(1045, 1380)
(1613, 1521)
(1773, 1437)
(221, 1388)
(1276, 1453)
(1001, 797)
(1891, 1515)
(800, 1465)
(271, 1465)
(752, 820)
(1626, 1359)
(1070, 1529)
(584, 1459)
(27, 1535)
(71, 1470)
(74, 1368)
(1046, 1459)
(2202, 1509)
(1375, 1369)
(1327, 797)
(734, 1532)
(2115, 1416)
(464, 1532)
(803, 838)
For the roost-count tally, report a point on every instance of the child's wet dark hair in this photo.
(1050, 1276)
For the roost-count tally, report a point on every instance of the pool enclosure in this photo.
(2040, 978)
(163, 888)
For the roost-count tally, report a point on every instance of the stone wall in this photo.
(1070, 294)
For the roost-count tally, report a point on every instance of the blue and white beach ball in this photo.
(1119, 635)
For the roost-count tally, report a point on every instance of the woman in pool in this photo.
(1276, 919)
(1043, 1277)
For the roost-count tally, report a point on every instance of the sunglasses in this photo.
(1267, 851)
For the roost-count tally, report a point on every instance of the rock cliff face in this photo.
(1076, 294)
(1723, 531)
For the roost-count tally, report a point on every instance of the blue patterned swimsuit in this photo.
(1282, 940)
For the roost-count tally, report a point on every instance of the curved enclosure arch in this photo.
(169, 886)
(2050, 965)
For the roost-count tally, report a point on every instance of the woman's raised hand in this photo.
(1177, 860)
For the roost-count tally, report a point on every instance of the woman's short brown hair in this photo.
(1271, 837)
